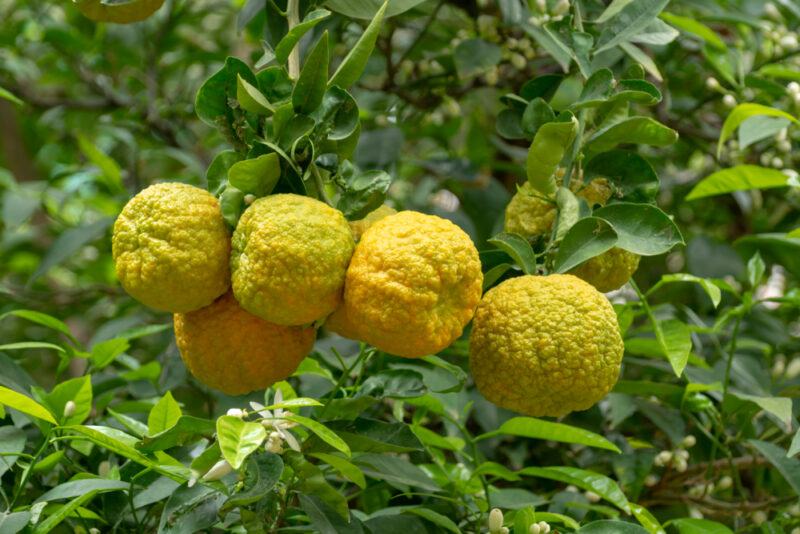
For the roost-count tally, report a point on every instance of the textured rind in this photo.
(412, 286)
(290, 254)
(610, 270)
(171, 248)
(236, 352)
(529, 214)
(360, 226)
(545, 345)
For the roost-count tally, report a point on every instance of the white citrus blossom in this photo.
(280, 427)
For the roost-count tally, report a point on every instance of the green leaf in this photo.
(211, 104)
(436, 518)
(789, 468)
(396, 470)
(637, 130)
(238, 439)
(739, 178)
(587, 480)
(44, 320)
(629, 172)
(675, 340)
(609, 526)
(12, 523)
(696, 28)
(257, 176)
(686, 525)
(518, 248)
(311, 86)
(641, 228)
(231, 204)
(107, 166)
(5, 94)
(537, 113)
(657, 32)
(742, 112)
(250, 98)
(546, 430)
(77, 390)
(569, 212)
(62, 513)
(712, 290)
(325, 519)
(337, 116)
(75, 488)
(475, 56)
(546, 151)
(647, 519)
(130, 424)
(596, 89)
(12, 442)
(285, 46)
(364, 192)
(164, 415)
(105, 352)
(70, 242)
(589, 237)
(324, 433)
(775, 247)
(354, 63)
(119, 12)
(759, 127)
(24, 404)
(367, 9)
(640, 57)
(780, 407)
(794, 448)
(369, 435)
(186, 429)
(628, 22)
(344, 467)
(25, 345)
(263, 472)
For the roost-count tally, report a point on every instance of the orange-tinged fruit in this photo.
(545, 345)
(412, 285)
(171, 248)
(236, 352)
(289, 258)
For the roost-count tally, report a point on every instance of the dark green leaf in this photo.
(589, 237)
(256, 176)
(789, 468)
(212, 99)
(475, 56)
(641, 228)
(310, 87)
(628, 171)
(263, 472)
(518, 248)
(636, 130)
(287, 44)
(354, 63)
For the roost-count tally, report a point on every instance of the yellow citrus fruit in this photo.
(608, 271)
(289, 258)
(236, 352)
(545, 345)
(412, 285)
(529, 213)
(171, 248)
(360, 226)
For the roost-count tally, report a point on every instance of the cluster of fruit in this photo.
(247, 306)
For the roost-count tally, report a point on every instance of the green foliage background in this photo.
(699, 434)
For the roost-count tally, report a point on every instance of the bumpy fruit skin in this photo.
(360, 226)
(412, 285)
(236, 352)
(171, 248)
(290, 254)
(545, 345)
(608, 271)
(529, 214)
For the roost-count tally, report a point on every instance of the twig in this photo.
(293, 19)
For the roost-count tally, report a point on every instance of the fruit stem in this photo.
(293, 19)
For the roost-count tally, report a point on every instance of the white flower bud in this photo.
(545, 528)
(793, 87)
(541, 5)
(796, 530)
(681, 465)
(236, 412)
(682, 454)
(561, 8)
(663, 458)
(794, 510)
(249, 198)
(712, 84)
(694, 513)
(69, 408)
(789, 41)
(777, 162)
(771, 11)
(650, 480)
(94, 530)
(504, 530)
(689, 441)
(518, 61)
(725, 482)
(103, 468)
(274, 446)
(592, 497)
(729, 101)
(495, 520)
(784, 146)
(793, 369)
(217, 471)
(535, 529)
(759, 517)
(765, 158)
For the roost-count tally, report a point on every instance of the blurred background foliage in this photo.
(105, 110)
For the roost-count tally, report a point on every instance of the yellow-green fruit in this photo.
(610, 270)
(545, 345)
(412, 285)
(289, 258)
(529, 213)
(171, 248)
(236, 352)
(360, 226)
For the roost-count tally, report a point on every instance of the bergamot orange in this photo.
(412, 285)
(236, 352)
(529, 213)
(545, 345)
(171, 248)
(608, 271)
(289, 258)
(360, 226)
